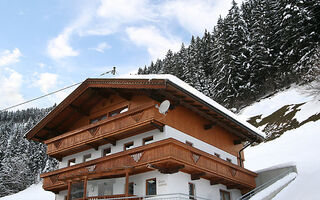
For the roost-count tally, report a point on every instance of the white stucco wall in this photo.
(168, 132)
(166, 184)
(178, 183)
(182, 137)
(137, 141)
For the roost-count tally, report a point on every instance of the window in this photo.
(224, 195)
(151, 186)
(86, 157)
(189, 143)
(127, 146)
(131, 188)
(76, 190)
(71, 162)
(106, 151)
(98, 118)
(229, 160)
(118, 111)
(147, 140)
(217, 155)
(191, 191)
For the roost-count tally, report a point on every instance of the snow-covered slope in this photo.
(34, 192)
(298, 144)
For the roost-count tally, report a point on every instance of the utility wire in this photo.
(113, 72)
(41, 96)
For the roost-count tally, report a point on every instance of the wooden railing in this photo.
(106, 131)
(140, 159)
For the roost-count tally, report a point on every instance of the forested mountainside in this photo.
(263, 46)
(21, 160)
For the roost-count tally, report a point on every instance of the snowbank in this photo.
(275, 187)
(34, 192)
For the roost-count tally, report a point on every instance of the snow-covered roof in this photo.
(183, 85)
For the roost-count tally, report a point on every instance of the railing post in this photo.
(85, 183)
(127, 183)
(69, 190)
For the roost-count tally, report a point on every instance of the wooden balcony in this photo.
(167, 156)
(132, 122)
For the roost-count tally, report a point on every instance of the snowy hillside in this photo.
(34, 192)
(299, 143)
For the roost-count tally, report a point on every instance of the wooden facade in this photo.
(168, 156)
(102, 111)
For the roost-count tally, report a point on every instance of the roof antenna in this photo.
(113, 72)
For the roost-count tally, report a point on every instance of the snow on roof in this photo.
(196, 93)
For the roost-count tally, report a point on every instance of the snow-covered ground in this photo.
(300, 146)
(34, 192)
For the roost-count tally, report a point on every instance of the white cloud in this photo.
(8, 57)
(125, 11)
(59, 47)
(46, 81)
(195, 15)
(101, 47)
(10, 84)
(110, 16)
(150, 37)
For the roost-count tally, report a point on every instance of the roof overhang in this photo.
(158, 87)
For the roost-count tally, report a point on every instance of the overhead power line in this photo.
(113, 72)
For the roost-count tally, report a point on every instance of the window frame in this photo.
(104, 150)
(118, 111)
(131, 184)
(193, 190)
(155, 180)
(125, 145)
(225, 192)
(86, 157)
(147, 139)
(73, 160)
(98, 119)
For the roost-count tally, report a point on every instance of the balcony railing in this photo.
(154, 156)
(106, 131)
(174, 196)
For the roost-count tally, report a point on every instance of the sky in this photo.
(48, 45)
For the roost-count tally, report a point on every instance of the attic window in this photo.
(118, 111)
(98, 118)
(71, 162)
(127, 146)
